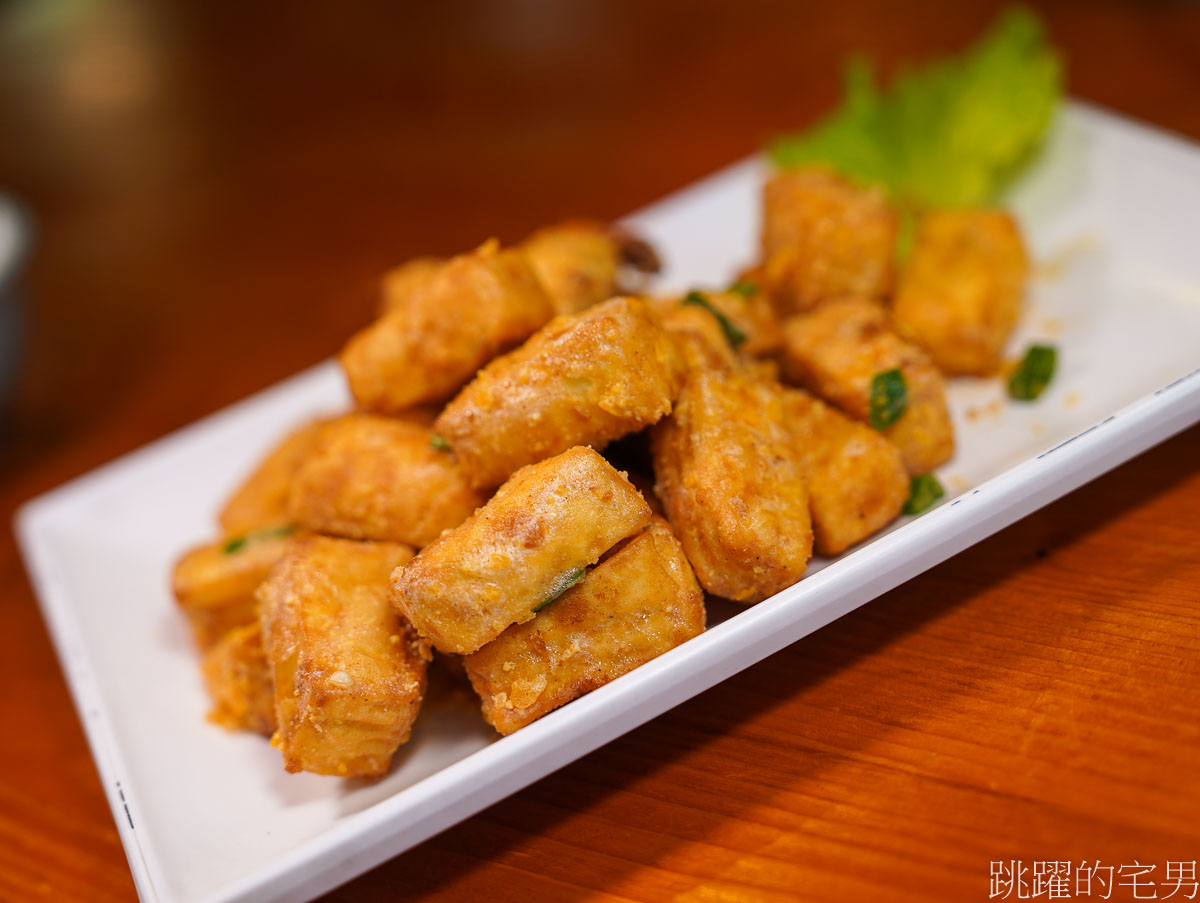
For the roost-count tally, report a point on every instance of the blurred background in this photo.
(210, 189)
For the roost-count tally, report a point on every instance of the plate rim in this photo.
(387, 828)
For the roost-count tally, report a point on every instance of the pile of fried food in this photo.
(794, 411)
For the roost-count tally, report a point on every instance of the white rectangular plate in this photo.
(210, 816)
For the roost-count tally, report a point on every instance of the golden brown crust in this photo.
(239, 682)
(577, 262)
(696, 325)
(214, 584)
(262, 500)
(824, 238)
(633, 606)
(584, 379)
(431, 342)
(856, 479)
(757, 319)
(700, 340)
(400, 282)
(373, 477)
(546, 522)
(733, 487)
(960, 295)
(702, 343)
(837, 351)
(753, 316)
(349, 675)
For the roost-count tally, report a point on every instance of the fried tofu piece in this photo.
(824, 238)
(214, 584)
(732, 483)
(577, 262)
(580, 262)
(437, 335)
(262, 500)
(721, 329)
(400, 282)
(542, 527)
(698, 336)
(584, 379)
(751, 314)
(961, 293)
(836, 353)
(633, 606)
(239, 682)
(373, 477)
(349, 674)
(857, 483)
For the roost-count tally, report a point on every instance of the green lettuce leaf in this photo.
(953, 132)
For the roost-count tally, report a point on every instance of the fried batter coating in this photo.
(633, 606)
(349, 675)
(824, 238)
(837, 351)
(856, 479)
(373, 477)
(262, 500)
(960, 296)
(753, 316)
(584, 379)
(721, 329)
(443, 330)
(547, 522)
(239, 682)
(698, 336)
(214, 584)
(580, 261)
(577, 262)
(400, 282)
(732, 483)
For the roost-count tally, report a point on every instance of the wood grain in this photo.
(215, 187)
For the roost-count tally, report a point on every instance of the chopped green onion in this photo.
(564, 583)
(923, 493)
(745, 288)
(234, 545)
(889, 398)
(441, 443)
(732, 333)
(1034, 373)
(237, 543)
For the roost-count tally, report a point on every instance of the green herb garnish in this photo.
(441, 443)
(564, 583)
(745, 288)
(1034, 373)
(953, 132)
(889, 398)
(923, 492)
(235, 544)
(734, 335)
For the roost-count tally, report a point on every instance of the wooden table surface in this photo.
(215, 187)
